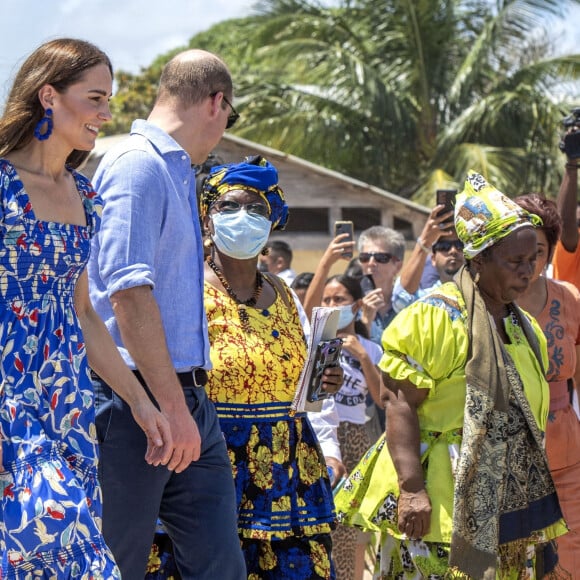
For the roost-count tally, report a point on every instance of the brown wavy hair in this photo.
(60, 63)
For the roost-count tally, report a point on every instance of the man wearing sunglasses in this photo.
(146, 275)
(446, 253)
(381, 252)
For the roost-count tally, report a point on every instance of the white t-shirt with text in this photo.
(351, 397)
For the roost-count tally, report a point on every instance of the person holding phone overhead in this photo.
(340, 248)
(381, 251)
(566, 261)
(438, 243)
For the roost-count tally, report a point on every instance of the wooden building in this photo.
(317, 197)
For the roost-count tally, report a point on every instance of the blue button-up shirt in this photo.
(150, 236)
(402, 298)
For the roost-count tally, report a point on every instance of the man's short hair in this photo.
(280, 249)
(302, 281)
(393, 240)
(193, 75)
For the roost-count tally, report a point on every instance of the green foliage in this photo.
(133, 99)
(403, 94)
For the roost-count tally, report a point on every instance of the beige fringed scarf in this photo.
(490, 501)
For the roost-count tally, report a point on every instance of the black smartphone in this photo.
(570, 142)
(327, 355)
(446, 197)
(345, 227)
(367, 284)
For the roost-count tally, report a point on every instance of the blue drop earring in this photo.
(46, 124)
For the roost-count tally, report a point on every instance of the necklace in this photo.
(242, 312)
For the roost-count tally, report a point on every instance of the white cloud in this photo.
(132, 32)
(135, 32)
(571, 31)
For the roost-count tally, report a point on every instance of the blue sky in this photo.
(131, 32)
(134, 32)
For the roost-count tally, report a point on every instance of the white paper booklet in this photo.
(323, 326)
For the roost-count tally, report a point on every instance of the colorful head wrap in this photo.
(484, 215)
(253, 174)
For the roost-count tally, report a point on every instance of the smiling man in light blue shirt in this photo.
(146, 274)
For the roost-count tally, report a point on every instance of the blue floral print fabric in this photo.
(51, 500)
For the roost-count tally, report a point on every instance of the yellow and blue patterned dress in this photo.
(282, 485)
(51, 500)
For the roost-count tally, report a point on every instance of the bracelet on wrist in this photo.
(571, 165)
(423, 246)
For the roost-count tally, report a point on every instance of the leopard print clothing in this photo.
(354, 442)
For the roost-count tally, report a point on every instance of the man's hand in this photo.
(157, 431)
(186, 438)
(371, 304)
(414, 514)
(139, 320)
(433, 230)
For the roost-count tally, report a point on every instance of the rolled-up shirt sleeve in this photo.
(150, 236)
(132, 220)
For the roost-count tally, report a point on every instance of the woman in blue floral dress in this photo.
(51, 502)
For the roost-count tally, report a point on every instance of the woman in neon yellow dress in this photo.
(460, 485)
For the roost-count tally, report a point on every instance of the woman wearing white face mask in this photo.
(284, 499)
(359, 360)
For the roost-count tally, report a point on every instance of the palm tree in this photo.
(403, 94)
(408, 94)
